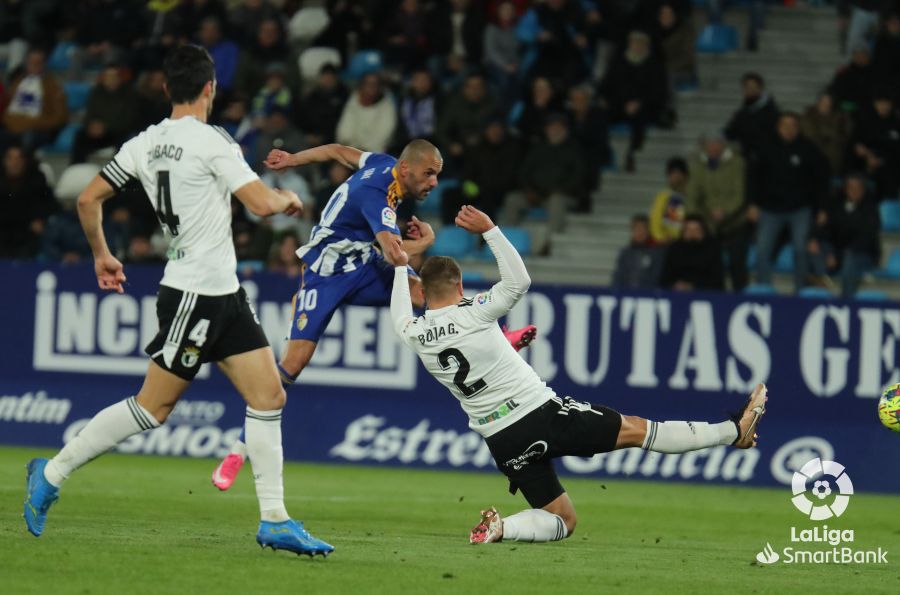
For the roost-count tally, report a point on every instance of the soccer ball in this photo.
(889, 407)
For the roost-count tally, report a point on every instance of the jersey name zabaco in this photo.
(189, 171)
(463, 347)
(359, 208)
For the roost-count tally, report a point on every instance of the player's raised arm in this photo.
(401, 302)
(264, 201)
(514, 278)
(347, 156)
(110, 272)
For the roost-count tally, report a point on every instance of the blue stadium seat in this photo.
(362, 63)
(717, 39)
(819, 293)
(785, 261)
(891, 269)
(59, 59)
(751, 257)
(454, 242)
(76, 95)
(62, 144)
(759, 289)
(890, 215)
(472, 277)
(871, 295)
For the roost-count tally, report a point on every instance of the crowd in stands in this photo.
(519, 95)
(775, 182)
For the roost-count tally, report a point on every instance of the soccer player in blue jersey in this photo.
(341, 264)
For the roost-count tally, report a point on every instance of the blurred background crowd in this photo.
(521, 96)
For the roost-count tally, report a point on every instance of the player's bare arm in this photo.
(110, 272)
(347, 156)
(265, 201)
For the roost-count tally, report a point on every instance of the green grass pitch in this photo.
(130, 524)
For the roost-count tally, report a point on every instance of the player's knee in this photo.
(270, 400)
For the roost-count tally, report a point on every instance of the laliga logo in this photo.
(825, 476)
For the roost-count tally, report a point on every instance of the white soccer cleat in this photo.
(489, 529)
(748, 419)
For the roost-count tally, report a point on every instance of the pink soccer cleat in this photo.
(521, 338)
(489, 529)
(227, 471)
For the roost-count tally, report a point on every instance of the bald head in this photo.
(418, 168)
(418, 150)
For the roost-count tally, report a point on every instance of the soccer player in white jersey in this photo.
(525, 424)
(189, 170)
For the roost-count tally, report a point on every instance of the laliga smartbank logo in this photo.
(822, 491)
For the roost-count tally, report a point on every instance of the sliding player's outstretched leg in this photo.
(253, 375)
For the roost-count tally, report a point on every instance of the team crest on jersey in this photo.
(190, 357)
(301, 321)
(388, 217)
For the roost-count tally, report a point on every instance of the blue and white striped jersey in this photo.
(360, 208)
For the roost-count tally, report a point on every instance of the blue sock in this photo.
(286, 379)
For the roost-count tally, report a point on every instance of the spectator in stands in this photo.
(283, 257)
(456, 33)
(667, 210)
(246, 19)
(829, 129)
(853, 84)
(716, 193)
(635, 91)
(540, 103)
(639, 263)
(350, 26)
(235, 119)
(551, 177)
(863, 20)
(562, 41)
(108, 31)
(876, 144)
(789, 185)
(886, 55)
(337, 175)
(274, 93)
(405, 42)
(847, 238)
(369, 117)
(269, 46)
(154, 104)
(501, 51)
(141, 251)
(27, 202)
(277, 133)
(461, 120)
(111, 115)
(418, 109)
(753, 124)
(590, 128)
(489, 174)
(677, 39)
(225, 53)
(63, 239)
(321, 109)
(694, 261)
(36, 105)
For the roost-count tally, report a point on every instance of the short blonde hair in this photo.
(440, 276)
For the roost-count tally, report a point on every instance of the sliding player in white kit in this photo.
(189, 170)
(525, 424)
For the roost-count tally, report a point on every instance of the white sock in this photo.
(683, 436)
(107, 429)
(262, 431)
(534, 524)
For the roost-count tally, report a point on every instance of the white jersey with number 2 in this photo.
(463, 347)
(189, 170)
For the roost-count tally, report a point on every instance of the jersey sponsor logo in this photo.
(534, 451)
(388, 217)
(190, 357)
(34, 407)
(501, 411)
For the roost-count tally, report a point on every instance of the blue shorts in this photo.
(318, 297)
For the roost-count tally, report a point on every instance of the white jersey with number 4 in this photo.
(463, 347)
(189, 170)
